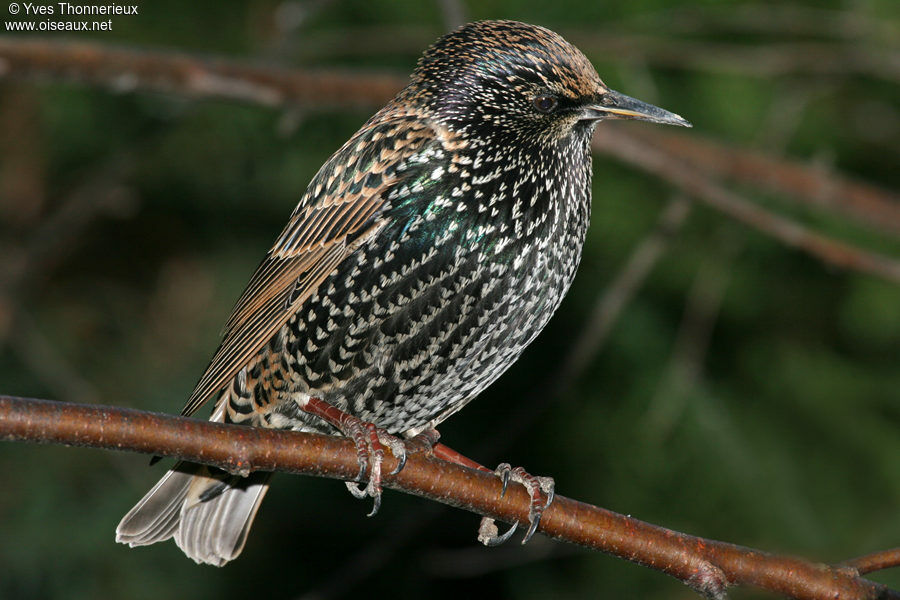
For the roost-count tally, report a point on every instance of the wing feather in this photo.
(330, 222)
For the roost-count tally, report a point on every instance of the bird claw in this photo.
(503, 470)
(488, 532)
(370, 442)
(535, 522)
(397, 446)
(540, 489)
(401, 461)
(376, 505)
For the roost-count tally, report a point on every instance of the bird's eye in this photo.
(545, 103)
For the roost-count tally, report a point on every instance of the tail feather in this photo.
(155, 517)
(214, 531)
(209, 520)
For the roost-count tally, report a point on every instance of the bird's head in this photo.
(512, 80)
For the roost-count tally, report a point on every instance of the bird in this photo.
(425, 255)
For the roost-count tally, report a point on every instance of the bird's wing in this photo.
(338, 213)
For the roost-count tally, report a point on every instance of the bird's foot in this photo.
(541, 490)
(370, 441)
(370, 444)
(424, 441)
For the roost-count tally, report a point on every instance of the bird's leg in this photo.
(450, 455)
(370, 442)
(541, 490)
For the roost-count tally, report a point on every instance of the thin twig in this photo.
(767, 18)
(685, 369)
(619, 292)
(704, 300)
(867, 204)
(22, 159)
(772, 58)
(637, 151)
(127, 70)
(876, 561)
(707, 566)
(99, 195)
(769, 59)
(47, 363)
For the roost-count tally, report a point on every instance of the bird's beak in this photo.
(613, 105)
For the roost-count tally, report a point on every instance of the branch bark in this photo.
(707, 566)
(876, 561)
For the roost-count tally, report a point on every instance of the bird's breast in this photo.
(473, 259)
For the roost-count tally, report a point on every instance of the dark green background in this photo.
(788, 439)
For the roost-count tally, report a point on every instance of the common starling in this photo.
(425, 255)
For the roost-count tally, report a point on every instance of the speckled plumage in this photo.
(425, 255)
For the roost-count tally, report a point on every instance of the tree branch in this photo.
(642, 152)
(125, 70)
(774, 58)
(705, 565)
(871, 206)
(876, 561)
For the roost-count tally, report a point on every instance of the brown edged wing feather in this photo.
(338, 213)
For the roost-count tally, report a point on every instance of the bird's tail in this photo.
(209, 514)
